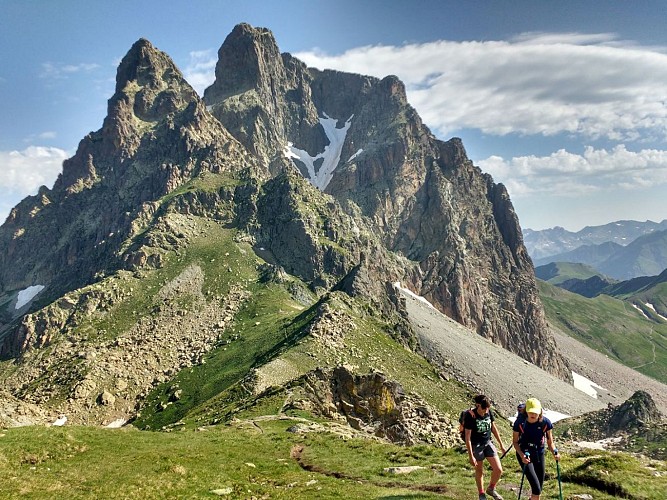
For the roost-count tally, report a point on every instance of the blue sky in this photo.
(564, 102)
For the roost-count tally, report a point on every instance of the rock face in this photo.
(263, 97)
(375, 405)
(638, 411)
(331, 177)
(424, 197)
(156, 136)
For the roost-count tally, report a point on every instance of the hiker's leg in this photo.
(479, 475)
(535, 486)
(540, 471)
(496, 468)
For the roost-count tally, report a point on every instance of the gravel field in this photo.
(619, 380)
(507, 379)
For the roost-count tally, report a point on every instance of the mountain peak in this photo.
(141, 63)
(253, 56)
(149, 87)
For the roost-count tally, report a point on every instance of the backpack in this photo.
(462, 416)
(522, 427)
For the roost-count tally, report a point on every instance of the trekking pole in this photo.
(523, 474)
(560, 487)
(506, 452)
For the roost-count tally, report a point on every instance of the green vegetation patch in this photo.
(229, 462)
(611, 326)
(558, 272)
(619, 475)
(266, 324)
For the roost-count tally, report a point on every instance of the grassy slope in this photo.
(259, 461)
(655, 295)
(563, 271)
(255, 460)
(215, 390)
(611, 326)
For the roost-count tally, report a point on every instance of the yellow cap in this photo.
(533, 406)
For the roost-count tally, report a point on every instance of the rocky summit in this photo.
(180, 215)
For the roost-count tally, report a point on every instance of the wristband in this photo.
(555, 451)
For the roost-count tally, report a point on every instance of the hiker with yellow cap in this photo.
(530, 436)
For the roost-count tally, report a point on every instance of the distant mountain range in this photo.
(585, 280)
(557, 240)
(631, 248)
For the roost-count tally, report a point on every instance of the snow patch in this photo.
(330, 155)
(359, 151)
(552, 415)
(25, 296)
(585, 385)
(555, 416)
(117, 424)
(398, 286)
(60, 421)
(652, 308)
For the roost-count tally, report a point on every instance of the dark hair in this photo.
(483, 401)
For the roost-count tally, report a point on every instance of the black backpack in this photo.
(462, 416)
(522, 427)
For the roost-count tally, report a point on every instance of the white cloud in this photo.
(567, 174)
(200, 71)
(52, 70)
(23, 172)
(49, 134)
(571, 38)
(537, 83)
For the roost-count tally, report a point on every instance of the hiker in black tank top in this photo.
(478, 427)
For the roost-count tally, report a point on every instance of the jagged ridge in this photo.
(401, 205)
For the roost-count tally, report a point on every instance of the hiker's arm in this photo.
(552, 446)
(471, 457)
(496, 434)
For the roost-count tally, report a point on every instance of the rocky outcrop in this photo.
(373, 404)
(638, 416)
(306, 231)
(638, 411)
(97, 379)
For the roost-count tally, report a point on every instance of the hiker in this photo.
(478, 426)
(521, 412)
(529, 436)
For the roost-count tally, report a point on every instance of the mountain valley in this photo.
(286, 288)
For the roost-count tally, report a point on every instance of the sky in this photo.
(563, 102)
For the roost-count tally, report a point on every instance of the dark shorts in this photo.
(484, 449)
